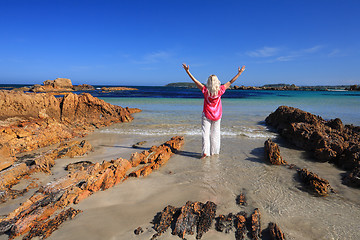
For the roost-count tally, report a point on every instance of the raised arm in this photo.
(240, 70)
(198, 84)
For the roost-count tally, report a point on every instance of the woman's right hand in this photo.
(185, 67)
(241, 69)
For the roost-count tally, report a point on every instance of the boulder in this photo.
(83, 87)
(328, 140)
(58, 83)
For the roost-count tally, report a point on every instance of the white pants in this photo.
(210, 136)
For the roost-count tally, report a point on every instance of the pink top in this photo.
(212, 105)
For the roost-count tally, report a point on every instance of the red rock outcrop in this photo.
(11, 176)
(30, 121)
(155, 157)
(327, 140)
(272, 153)
(58, 194)
(46, 228)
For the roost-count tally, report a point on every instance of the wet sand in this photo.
(275, 190)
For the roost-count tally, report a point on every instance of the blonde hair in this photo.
(213, 85)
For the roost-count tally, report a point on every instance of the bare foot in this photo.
(203, 156)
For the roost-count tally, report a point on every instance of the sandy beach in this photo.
(118, 211)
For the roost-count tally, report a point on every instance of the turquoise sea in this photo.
(168, 111)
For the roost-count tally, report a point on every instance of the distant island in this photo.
(182, 85)
(278, 86)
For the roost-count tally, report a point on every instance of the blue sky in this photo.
(134, 42)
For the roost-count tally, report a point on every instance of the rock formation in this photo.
(43, 163)
(255, 225)
(241, 199)
(197, 216)
(328, 140)
(193, 216)
(36, 214)
(319, 186)
(59, 84)
(29, 121)
(155, 157)
(275, 232)
(83, 87)
(272, 153)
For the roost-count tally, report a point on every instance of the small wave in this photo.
(244, 132)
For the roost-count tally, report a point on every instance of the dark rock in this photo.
(138, 231)
(187, 221)
(275, 232)
(163, 220)
(240, 225)
(241, 199)
(225, 223)
(272, 153)
(83, 87)
(193, 216)
(327, 140)
(206, 217)
(319, 186)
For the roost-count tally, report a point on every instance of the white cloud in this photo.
(312, 49)
(274, 54)
(153, 57)
(263, 52)
(285, 58)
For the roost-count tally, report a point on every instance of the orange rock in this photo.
(12, 175)
(73, 188)
(156, 156)
(272, 153)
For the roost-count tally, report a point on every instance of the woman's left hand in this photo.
(185, 67)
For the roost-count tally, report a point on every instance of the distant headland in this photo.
(278, 87)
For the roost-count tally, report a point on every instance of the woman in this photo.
(212, 111)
